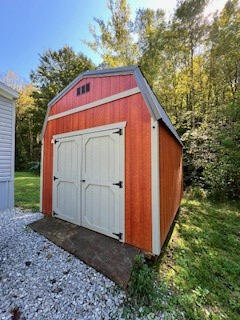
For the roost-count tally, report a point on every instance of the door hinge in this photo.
(118, 132)
(119, 235)
(55, 178)
(55, 141)
(120, 184)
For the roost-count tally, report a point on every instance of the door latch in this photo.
(119, 235)
(120, 184)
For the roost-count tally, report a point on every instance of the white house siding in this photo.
(7, 146)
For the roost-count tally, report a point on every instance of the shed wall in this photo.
(138, 228)
(100, 88)
(171, 183)
(7, 137)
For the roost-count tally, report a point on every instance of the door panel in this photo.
(100, 198)
(66, 189)
(85, 168)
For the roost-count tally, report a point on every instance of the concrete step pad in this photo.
(108, 256)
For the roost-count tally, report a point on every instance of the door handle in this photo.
(83, 180)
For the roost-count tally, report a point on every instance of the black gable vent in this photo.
(83, 89)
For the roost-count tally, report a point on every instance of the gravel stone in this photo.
(39, 280)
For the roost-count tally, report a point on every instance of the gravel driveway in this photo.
(38, 280)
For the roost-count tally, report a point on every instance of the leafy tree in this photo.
(222, 174)
(115, 43)
(55, 71)
(26, 133)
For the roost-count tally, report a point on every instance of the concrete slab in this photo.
(108, 256)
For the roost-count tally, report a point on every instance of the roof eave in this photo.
(8, 92)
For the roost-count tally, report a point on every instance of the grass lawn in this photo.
(201, 264)
(27, 189)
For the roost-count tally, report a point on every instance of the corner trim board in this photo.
(156, 248)
(96, 103)
(41, 176)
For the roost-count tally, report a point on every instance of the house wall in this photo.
(7, 137)
(138, 227)
(171, 183)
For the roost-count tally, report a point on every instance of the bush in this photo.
(222, 175)
(196, 193)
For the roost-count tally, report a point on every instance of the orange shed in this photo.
(111, 159)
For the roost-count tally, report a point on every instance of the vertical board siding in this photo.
(7, 125)
(100, 88)
(170, 179)
(138, 227)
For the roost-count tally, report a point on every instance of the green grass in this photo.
(27, 190)
(201, 264)
(198, 273)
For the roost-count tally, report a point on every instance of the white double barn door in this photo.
(88, 181)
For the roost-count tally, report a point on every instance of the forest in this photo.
(192, 62)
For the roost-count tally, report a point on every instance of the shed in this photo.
(111, 159)
(7, 146)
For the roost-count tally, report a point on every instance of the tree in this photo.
(27, 150)
(13, 80)
(115, 42)
(222, 173)
(55, 71)
(224, 52)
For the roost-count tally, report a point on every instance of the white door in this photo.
(89, 181)
(66, 177)
(102, 186)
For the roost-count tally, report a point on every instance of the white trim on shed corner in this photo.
(116, 125)
(96, 103)
(41, 175)
(156, 248)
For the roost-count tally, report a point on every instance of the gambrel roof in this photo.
(154, 106)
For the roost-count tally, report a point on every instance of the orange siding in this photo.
(138, 227)
(100, 88)
(170, 179)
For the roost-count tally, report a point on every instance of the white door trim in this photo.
(117, 125)
(155, 187)
(96, 103)
(112, 126)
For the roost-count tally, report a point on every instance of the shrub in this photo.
(223, 173)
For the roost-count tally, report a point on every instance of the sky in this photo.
(28, 28)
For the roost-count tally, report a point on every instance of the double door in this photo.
(88, 181)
